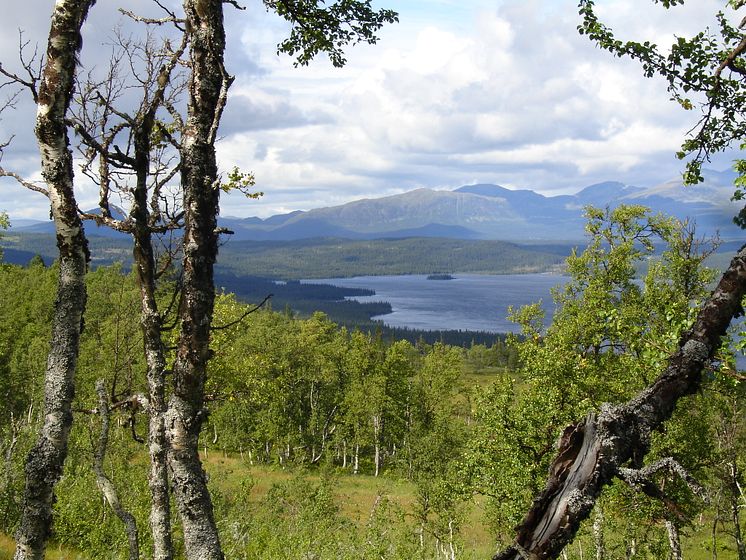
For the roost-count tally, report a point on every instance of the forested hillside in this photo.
(330, 257)
(471, 431)
(149, 412)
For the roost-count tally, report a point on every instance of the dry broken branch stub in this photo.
(592, 452)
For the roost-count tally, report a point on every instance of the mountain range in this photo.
(485, 211)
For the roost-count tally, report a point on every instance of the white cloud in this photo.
(457, 92)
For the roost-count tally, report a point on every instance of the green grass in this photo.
(54, 552)
(355, 496)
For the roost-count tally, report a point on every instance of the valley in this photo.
(255, 269)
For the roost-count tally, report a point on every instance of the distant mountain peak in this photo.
(603, 193)
(497, 191)
(484, 211)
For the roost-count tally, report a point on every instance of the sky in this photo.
(458, 92)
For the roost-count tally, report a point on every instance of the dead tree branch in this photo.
(592, 452)
(245, 314)
(28, 184)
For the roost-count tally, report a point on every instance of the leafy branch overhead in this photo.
(242, 182)
(328, 29)
(707, 71)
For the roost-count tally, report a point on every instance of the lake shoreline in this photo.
(468, 302)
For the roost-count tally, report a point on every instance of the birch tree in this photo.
(140, 175)
(316, 28)
(176, 422)
(707, 71)
(45, 461)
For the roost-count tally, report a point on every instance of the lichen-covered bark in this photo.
(104, 482)
(151, 325)
(201, 194)
(592, 452)
(150, 320)
(45, 461)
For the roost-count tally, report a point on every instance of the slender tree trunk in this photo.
(46, 459)
(151, 323)
(8, 477)
(104, 483)
(591, 452)
(451, 546)
(631, 549)
(207, 90)
(598, 533)
(735, 508)
(377, 442)
(674, 540)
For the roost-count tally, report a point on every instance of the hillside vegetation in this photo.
(329, 443)
(330, 257)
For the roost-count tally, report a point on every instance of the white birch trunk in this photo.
(208, 87)
(46, 459)
(104, 483)
(377, 442)
(598, 533)
(674, 540)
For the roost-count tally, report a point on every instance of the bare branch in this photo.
(642, 480)
(34, 73)
(222, 100)
(235, 4)
(242, 317)
(15, 79)
(124, 226)
(117, 156)
(11, 101)
(152, 21)
(28, 184)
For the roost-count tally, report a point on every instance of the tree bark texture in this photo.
(591, 452)
(45, 460)
(104, 483)
(674, 540)
(151, 324)
(207, 90)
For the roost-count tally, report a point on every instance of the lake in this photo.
(468, 302)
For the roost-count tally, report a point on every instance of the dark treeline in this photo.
(304, 298)
(331, 258)
(328, 257)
